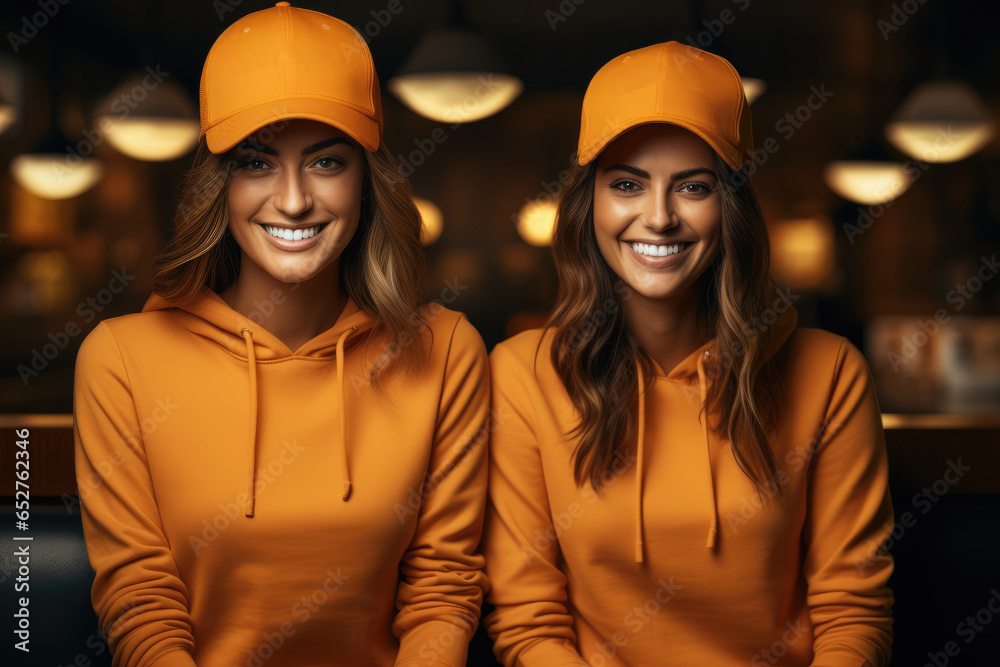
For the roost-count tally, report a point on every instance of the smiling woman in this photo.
(659, 229)
(271, 516)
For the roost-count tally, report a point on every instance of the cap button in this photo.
(281, 4)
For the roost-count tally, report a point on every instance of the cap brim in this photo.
(226, 134)
(731, 154)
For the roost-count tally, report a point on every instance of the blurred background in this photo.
(875, 123)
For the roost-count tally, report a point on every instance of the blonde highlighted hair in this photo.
(382, 268)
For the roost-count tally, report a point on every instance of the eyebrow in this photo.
(642, 173)
(251, 145)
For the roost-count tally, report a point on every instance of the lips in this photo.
(293, 234)
(658, 250)
(293, 239)
(659, 255)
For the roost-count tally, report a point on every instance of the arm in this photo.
(531, 624)
(442, 581)
(849, 518)
(139, 598)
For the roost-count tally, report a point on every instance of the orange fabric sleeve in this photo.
(442, 580)
(531, 624)
(849, 516)
(138, 595)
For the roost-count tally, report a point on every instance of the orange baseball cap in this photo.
(285, 62)
(668, 83)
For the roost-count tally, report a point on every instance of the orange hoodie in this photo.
(676, 561)
(249, 505)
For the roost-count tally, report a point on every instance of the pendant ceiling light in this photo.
(867, 181)
(869, 174)
(455, 76)
(149, 119)
(55, 168)
(941, 121)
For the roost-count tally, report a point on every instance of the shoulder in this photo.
(107, 340)
(525, 359)
(820, 353)
(450, 332)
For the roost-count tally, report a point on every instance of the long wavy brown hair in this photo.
(382, 268)
(596, 357)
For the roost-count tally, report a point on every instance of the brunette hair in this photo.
(382, 267)
(597, 358)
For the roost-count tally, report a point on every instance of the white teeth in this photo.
(656, 250)
(290, 235)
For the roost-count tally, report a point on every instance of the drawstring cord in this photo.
(343, 411)
(638, 469)
(252, 367)
(713, 528)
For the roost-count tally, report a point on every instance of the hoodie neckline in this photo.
(692, 366)
(207, 315)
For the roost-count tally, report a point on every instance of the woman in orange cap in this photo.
(682, 476)
(282, 459)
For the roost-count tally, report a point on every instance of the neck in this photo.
(668, 330)
(294, 312)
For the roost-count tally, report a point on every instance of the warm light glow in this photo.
(802, 252)
(149, 121)
(866, 181)
(941, 121)
(56, 175)
(149, 138)
(536, 222)
(8, 115)
(456, 97)
(431, 220)
(753, 88)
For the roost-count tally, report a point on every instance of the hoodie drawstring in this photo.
(638, 469)
(343, 411)
(713, 528)
(252, 366)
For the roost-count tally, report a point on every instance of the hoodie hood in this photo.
(693, 369)
(207, 315)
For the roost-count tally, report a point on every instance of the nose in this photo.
(293, 196)
(661, 214)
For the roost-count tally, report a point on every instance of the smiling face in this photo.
(295, 203)
(657, 209)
